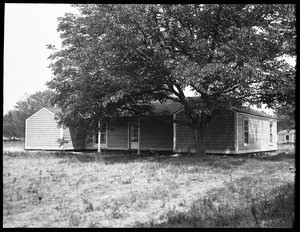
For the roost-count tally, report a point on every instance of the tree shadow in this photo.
(282, 156)
(225, 162)
(219, 208)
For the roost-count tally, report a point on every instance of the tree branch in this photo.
(215, 32)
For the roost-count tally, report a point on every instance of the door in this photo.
(134, 135)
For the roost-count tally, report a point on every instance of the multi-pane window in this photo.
(134, 133)
(271, 132)
(246, 131)
(287, 137)
(102, 137)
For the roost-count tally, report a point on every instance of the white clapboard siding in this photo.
(42, 131)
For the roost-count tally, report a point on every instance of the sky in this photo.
(28, 28)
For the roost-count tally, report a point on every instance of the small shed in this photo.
(287, 136)
(42, 132)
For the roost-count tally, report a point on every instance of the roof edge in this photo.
(37, 112)
(253, 113)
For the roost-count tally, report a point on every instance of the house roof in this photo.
(167, 107)
(53, 109)
(170, 107)
(249, 110)
(292, 131)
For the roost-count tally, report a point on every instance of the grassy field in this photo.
(57, 189)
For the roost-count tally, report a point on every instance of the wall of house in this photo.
(89, 144)
(282, 137)
(219, 135)
(117, 137)
(259, 133)
(76, 140)
(156, 134)
(90, 141)
(42, 131)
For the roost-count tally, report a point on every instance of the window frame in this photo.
(134, 132)
(287, 139)
(95, 139)
(244, 137)
(271, 133)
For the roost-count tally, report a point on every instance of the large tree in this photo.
(14, 120)
(116, 58)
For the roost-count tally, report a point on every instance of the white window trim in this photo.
(246, 144)
(131, 132)
(130, 124)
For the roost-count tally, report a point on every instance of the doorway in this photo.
(133, 135)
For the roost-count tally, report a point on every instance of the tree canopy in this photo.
(115, 59)
(286, 117)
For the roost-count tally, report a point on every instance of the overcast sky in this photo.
(28, 28)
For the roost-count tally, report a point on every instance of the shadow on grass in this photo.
(111, 157)
(281, 156)
(226, 207)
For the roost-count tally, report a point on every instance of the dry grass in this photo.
(52, 189)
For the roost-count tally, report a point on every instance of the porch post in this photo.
(174, 134)
(99, 136)
(236, 132)
(139, 136)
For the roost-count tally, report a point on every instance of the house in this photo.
(234, 131)
(287, 136)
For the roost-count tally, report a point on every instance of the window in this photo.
(134, 133)
(287, 137)
(103, 138)
(246, 131)
(271, 132)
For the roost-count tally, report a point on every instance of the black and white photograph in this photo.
(149, 115)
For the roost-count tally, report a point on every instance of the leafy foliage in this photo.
(14, 120)
(115, 59)
(286, 117)
(12, 126)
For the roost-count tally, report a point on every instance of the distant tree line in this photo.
(14, 120)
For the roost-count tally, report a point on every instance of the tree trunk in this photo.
(199, 134)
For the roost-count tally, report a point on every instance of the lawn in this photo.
(60, 189)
